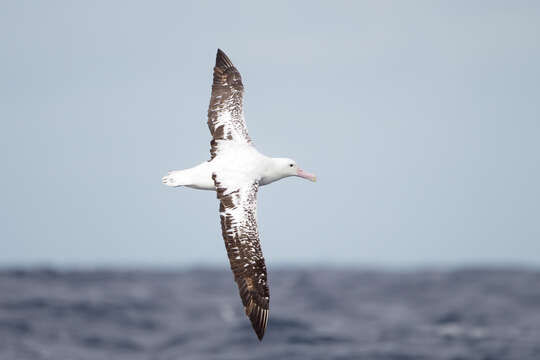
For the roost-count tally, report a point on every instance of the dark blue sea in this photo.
(483, 314)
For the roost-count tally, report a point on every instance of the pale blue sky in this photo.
(420, 118)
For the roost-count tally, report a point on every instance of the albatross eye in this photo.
(291, 165)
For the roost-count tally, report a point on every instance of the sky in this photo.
(421, 120)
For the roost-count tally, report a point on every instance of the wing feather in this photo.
(225, 114)
(238, 213)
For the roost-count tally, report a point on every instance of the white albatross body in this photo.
(235, 171)
(242, 159)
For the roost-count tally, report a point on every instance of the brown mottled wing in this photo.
(225, 115)
(238, 212)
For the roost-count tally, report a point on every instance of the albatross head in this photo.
(288, 167)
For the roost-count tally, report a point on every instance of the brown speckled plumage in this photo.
(238, 213)
(225, 115)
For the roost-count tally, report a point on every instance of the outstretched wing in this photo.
(225, 115)
(238, 212)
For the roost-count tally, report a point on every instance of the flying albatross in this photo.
(235, 171)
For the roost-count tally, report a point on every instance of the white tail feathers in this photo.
(174, 178)
(198, 177)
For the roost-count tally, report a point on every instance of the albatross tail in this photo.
(176, 178)
(198, 177)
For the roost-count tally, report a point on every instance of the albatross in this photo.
(235, 171)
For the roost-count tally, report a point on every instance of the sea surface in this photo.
(483, 314)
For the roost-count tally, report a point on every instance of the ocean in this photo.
(476, 313)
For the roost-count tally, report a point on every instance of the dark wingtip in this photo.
(259, 319)
(222, 60)
(260, 332)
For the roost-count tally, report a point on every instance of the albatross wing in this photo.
(238, 213)
(225, 114)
